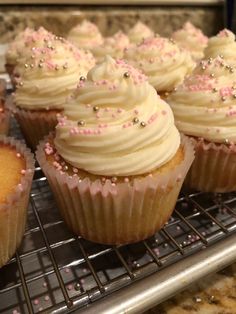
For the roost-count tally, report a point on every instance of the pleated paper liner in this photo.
(4, 122)
(214, 167)
(34, 124)
(13, 212)
(119, 213)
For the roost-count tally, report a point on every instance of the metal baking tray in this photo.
(57, 272)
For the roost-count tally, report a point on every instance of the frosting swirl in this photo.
(51, 74)
(164, 63)
(139, 32)
(222, 44)
(205, 104)
(116, 124)
(18, 44)
(85, 35)
(192, 39)
(113, 46)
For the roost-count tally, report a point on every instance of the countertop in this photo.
(216, 294)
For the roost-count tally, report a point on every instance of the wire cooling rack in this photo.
(56, 272)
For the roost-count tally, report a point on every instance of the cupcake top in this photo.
(139, 32)
(50, 74)
(113, 46)
(205, 104)
(222, 44)
(85, 35)
(191, 38)
(116, 124)
(164, 63)
(17, 45)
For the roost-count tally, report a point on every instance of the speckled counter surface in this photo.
(59, 19)
(216, 294)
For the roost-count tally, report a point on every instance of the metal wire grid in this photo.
(55, 272)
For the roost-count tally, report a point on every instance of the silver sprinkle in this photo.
(135, 120)
(126, 74)
(95, 108)
(143, 124)
(82, 78)
(81, 122)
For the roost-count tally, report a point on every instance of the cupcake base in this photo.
(13, 212)
(214, 167)
(34, 125)
(127, 211)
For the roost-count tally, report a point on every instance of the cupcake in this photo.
(192, 39)
(18, 44)
(164, 63)
(47, 78)
(17, 165)
(204, 107)
(4, 112)
(85, 35)
(139, 32)
(117, 161)
(113, 46)
(224, 45)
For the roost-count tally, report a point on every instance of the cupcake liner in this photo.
(34, 124)
(13, 213)
(4, 122)
(120, 213)
(214, 167)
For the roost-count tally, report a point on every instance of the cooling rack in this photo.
(56, 272)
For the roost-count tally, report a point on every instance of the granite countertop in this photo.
(216, 294)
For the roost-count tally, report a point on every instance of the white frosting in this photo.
(139, 32)
(164, 63)
(51, 74)
(17, 45)
(192, 39)
(85, 35)
(111, 142)
(205, 105)
(113, 46)
(222, 44)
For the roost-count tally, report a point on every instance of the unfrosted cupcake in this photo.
(47, 79)
(14, 47)
(224, 45)
(139, 32)
(113, 46)
(85, 35)
(117, 162)
(4, 112)
(16, 173)
(205, 109)
(164, 63)
(192, 39)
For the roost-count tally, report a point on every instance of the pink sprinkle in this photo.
(40, 309)
(98, 115)
(75, 170)
(179, 178)
(46, 298)
(69, 287)
(36, 302)
(164, 112)
(23, 171)
(113, 115)
(20, 187)
(88, 105)
(84, 270)
(136, 111)
(82, 281)
(124, 126)
(119, 110)
(45, 284)
(218, 130)
(15, 312)
(18, 155)
(126, 180)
